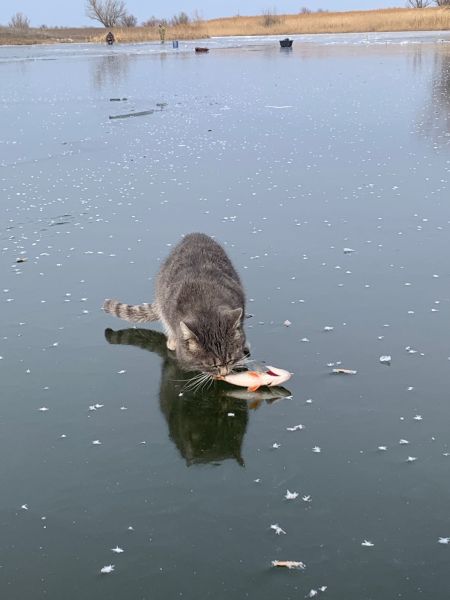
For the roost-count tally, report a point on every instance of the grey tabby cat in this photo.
(200, 301)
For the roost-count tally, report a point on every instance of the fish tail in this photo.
(136, 313)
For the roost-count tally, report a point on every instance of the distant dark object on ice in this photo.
(142, 113)
(200, 50)
(286, 43)
(110, 39)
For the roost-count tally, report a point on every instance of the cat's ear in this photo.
(236, 317)
(186, 333)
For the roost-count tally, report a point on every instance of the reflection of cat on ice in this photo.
(201, 429)
(207, 425)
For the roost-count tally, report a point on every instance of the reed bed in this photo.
(395, 19)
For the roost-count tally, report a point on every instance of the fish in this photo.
(253, 380)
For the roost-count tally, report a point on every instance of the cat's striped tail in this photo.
(136, 313)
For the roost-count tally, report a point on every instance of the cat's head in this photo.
(213, 343)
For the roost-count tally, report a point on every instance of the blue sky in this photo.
(72, 12)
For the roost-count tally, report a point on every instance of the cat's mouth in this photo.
(219, 374)
(224, 371)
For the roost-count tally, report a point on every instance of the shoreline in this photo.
(394, 20)
(168, 44)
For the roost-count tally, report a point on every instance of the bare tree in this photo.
(107, 12)
(271, 18)
(197, 17)
(151, 22)
(128, 21)
(418, 3)
(19, 21)
(180, 19)
(443, 3)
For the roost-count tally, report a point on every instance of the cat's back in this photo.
(199, 247)
(196, 255)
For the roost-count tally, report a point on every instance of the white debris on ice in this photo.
(107, 569)
(277, 529)
(291, 495)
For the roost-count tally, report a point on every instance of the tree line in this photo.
(426, 3)
(113, 13)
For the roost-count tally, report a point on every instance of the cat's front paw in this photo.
(171, 344)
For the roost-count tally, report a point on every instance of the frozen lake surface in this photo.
(324, 171)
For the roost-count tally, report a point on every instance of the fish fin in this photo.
(254, 405)
(271, 373)
(253, 388)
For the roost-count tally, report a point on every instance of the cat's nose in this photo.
(223, 371)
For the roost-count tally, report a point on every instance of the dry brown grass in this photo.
(395, 19)
(48, 36)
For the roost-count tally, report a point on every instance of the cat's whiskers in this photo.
(211, 381)
(192, 382)
(242, 361)
(201, 382)
(195, 383)
(197, 380)
(205, 383)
